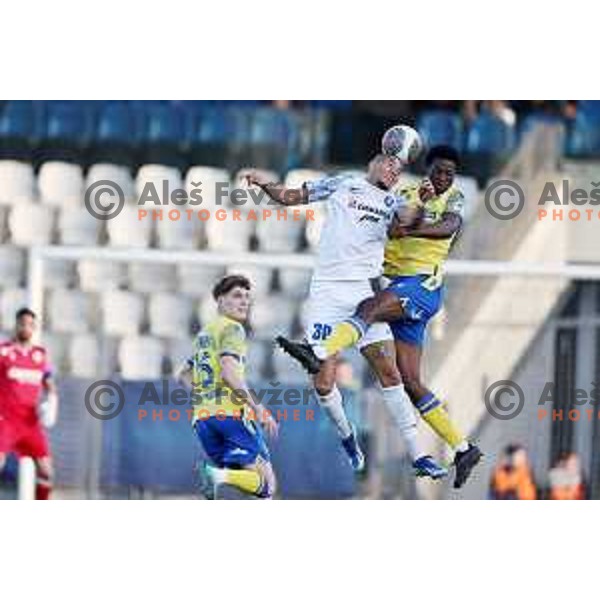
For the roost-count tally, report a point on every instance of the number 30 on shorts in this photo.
(321, 331)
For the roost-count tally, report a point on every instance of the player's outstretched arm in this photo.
(279, 192)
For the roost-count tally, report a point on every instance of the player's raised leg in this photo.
(434, 411)
(381, 358)
(382, 307)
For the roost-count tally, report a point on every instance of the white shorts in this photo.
(330, 302)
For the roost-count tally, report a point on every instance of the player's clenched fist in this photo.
(255, 178)
(426, 190)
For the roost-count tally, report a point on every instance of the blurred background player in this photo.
(225, 414)
(349, 262)
(24, 372)
(414, 257)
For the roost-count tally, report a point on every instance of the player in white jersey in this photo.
(349, 261)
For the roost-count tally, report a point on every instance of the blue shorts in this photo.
(420, 305)
(231, 441)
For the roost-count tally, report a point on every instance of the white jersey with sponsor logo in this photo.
(355, 230)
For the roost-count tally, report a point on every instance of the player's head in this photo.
(232, 294)
(442, 163)
(384, 171)
(25, 321)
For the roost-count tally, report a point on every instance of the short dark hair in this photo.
(25, 312)
(442, 152)
(225, 285)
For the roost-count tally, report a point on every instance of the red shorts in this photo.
(22, 438)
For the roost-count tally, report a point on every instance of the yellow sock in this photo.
(436, 416)
(247, 480)
(344, 335)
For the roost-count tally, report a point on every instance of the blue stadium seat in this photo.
(218, 135)
(274, 139)
(582, 137)
(115, 123)
(490, 135)
(441, 127)
(160, 130)
(19, 128)
(115, 134)
(68, 120)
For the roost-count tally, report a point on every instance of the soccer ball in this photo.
(402, 141)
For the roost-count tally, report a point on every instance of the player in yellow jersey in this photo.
(226, 417)
(413, 263)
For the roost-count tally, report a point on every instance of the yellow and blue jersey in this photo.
(414, 265)
(220, 337)
(422, 256)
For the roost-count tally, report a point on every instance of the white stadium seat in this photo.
(77, 227)
(56, 345)
(17, 182)
(152, 179)
(275, 317)
(207, 310)
(100, 275)
(280, 235)
(61, 184)
(11, 300)
(122, 312)
(127, 230)
(148, 278)
(170, 315)
(179, 233)
(31, 224)
(69, 311)
(260, 277)
(58, 273)
(84, 356)
(210, 177)
(197, 280)
(116, 174)
(140, 358)
(12, 264)
(229, 235)
(178, 351)
(295, 282)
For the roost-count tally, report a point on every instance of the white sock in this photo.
(333, 406)
(462, 447)
(404, 416)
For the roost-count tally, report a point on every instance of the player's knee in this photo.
(323, 388)
(367, 310)
(389, 377)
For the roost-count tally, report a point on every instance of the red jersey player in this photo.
(24, 373)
